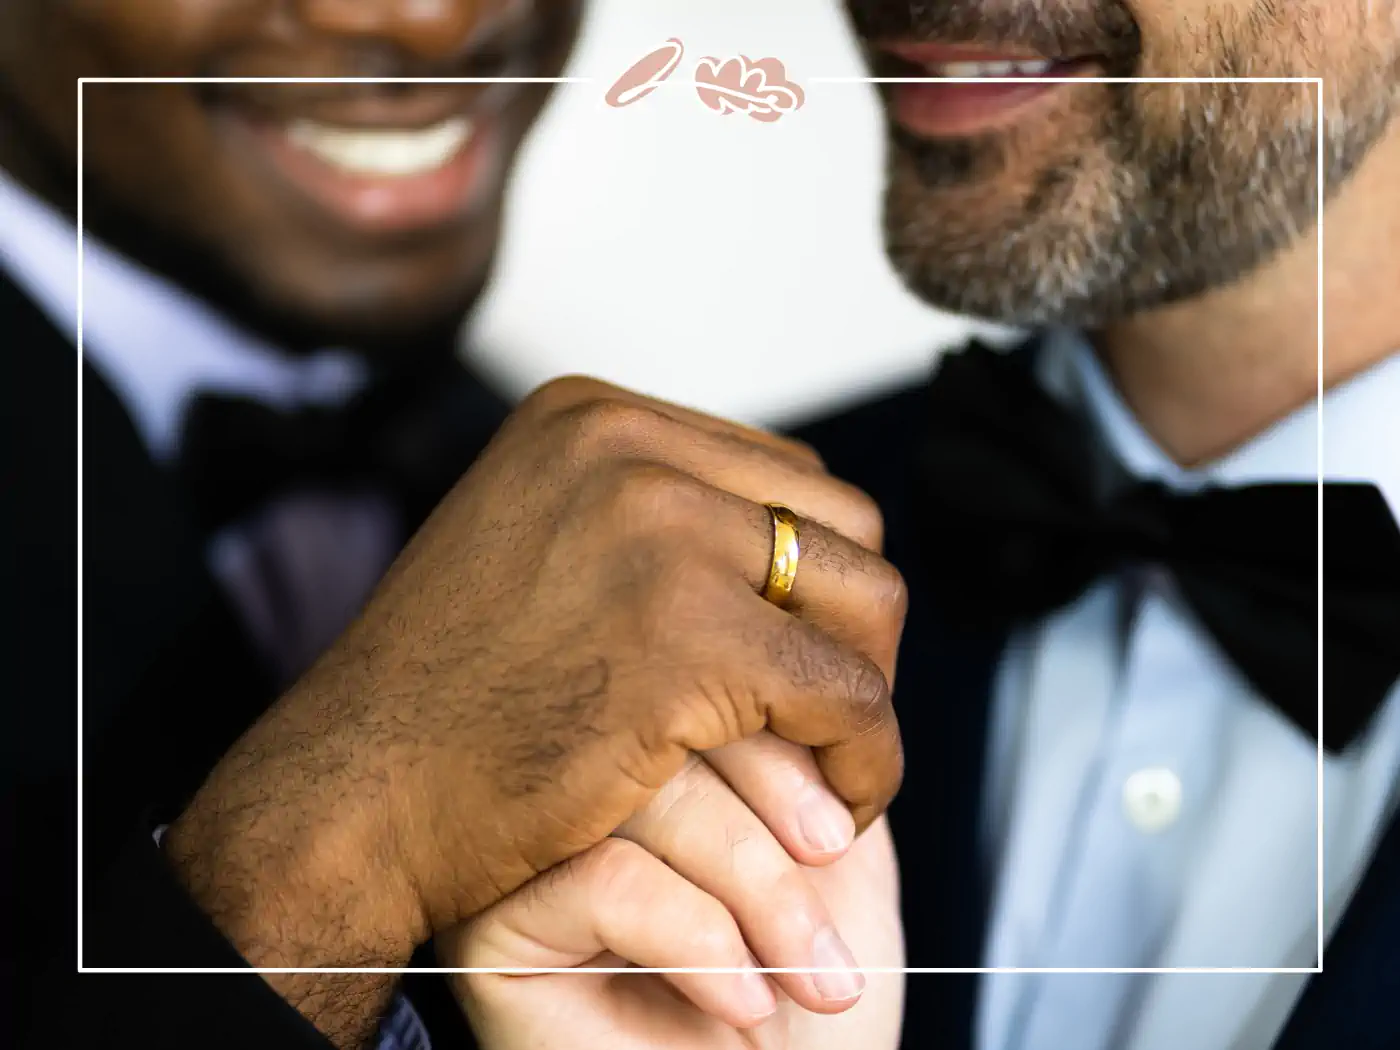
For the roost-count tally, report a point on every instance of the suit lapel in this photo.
(168, 678)
(944, 690)
(1355, 1001)
(942, 696)
(159, 668)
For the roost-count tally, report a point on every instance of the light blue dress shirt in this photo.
(158, 347)
(1145, 807)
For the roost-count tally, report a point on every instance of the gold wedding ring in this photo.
(782, 573)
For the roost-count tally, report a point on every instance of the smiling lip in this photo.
(379, 163)
(946, 110)
(383, 182)
(391, 159)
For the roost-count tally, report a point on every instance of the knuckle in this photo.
(670, 599)
(712, 932)
(885, 773)
(790, 903)
(806, 451)
(895, 778)
(646, 496)
(615, 869)
(685, 597)
(761, 869)
(890, 594)
(560, 393)
(867, 521)
(600, 425)
(687, 789)
(711, 712)
(869, 696)
(674, 719)
(806, 654)
(883, 783)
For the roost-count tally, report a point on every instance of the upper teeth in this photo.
(969, 70)
(396, 152)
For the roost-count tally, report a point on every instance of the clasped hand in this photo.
(527, 691)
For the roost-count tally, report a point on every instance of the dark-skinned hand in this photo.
(579, 617)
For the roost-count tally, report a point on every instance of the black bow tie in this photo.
(1030, 509)
(412, 435)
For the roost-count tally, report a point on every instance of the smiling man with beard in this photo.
(1124, 509)
(1109, 674)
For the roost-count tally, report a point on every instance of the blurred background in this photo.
(715, 261)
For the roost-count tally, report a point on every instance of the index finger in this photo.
(836, 669)
(837, 702)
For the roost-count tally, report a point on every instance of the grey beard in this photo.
(1160, 222)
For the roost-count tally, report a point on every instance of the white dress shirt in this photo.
(158, 347)
(1145, 807)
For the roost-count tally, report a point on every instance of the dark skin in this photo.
(577, 619)
(591, 590)
(171, 180)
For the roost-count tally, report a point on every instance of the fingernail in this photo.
(826, 824)
(755, 994)
(829, 952)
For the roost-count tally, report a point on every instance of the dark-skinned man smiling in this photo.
(293, 754)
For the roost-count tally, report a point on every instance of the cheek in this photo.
(154, 152)
(161, 37)
(1247, 38)
(1347, 42)
(148, 144)
(153, 146)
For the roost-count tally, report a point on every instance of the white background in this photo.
(710, 260)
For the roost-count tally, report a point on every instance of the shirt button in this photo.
(1152, 799)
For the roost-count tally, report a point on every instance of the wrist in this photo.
(294, 885)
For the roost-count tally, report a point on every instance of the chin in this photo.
(388, 331)
(387, 320)
(384, 303)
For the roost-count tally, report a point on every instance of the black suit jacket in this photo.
(169, 682)
(945, 675)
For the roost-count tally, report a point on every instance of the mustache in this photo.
(1058, 29)
(510, 41)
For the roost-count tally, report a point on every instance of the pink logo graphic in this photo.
(732, 85)
(646, 75)
(740, 85)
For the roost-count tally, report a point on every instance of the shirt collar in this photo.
(155, 343)
(1358, 425)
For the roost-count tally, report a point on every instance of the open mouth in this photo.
(391, 158)
(383, 153)
(395, 175)
(1014, 85)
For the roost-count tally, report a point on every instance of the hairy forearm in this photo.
(289, 893)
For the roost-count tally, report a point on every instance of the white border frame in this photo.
(1321, 332)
